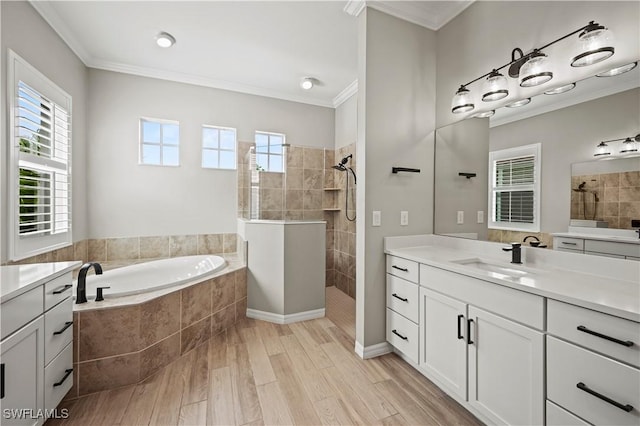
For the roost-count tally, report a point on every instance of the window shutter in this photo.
(514, 198)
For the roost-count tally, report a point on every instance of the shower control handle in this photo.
(399, 268)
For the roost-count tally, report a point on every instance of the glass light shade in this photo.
(485, 114)
(618, 70)
(462, 101)
(518, 103)
(628, 146)
(560, 89)
(596, 45)
(602, 150)
(535, 71)
(495, 87)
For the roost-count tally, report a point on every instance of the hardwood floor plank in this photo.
(193, 414)
(220, 408)
(64, 405)
(317, 330)
(412, 412)
(333, 412)
(406, 375)
(300, 405)
(112, 410)
(260, 364)
(84, 410)
(395, 420)
(275, 410)
(245, 396)
(341, 310)
(356, 408)
(311, 345)
(218, 351)
(143, 400)
(270, 337)
(167, 408)
(197, 377)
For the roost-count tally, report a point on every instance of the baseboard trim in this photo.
(373, 350)
(285, 319)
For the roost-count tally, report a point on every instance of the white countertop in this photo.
(598, 237)
(18, 279)
(613, 296)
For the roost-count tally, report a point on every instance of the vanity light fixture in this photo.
(618, 70)
(307, 83)
(485, 114)
(518, 103)
(165, 40)
(560, 89)
(630, 145)
(532, 69)
(602, 150)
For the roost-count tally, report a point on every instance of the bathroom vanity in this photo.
(538, 343)
(599, 244)
(36, 349)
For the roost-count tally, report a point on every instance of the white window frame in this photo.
(268, 153)
(160, 144)
(534, 150)
(23, 246)
(219, 149)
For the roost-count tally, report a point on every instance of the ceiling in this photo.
(258, 47)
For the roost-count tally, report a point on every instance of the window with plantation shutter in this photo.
(40, 162)
(515, 188)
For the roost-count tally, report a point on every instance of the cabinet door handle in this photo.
(399, 335)
(624, 407)
(569, 244)
(460, 336)
(399, 268)
(62, 289)
(1, 380)
(401, 298)
(67, 372)
(469, 322)
(66, 325)
(627, 343)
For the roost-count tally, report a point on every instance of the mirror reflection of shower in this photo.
(583, 193)
(342, 166)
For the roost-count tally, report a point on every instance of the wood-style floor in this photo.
(263, 373)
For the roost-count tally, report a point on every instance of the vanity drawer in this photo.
(564, 320)
(56, 290)
(402, 334)
(568, 243)
(58, 329)
(403, 268)
(20, 310)
(614, 248)
(570, 367)
(58, 380)
(402, 297)
(557, 416)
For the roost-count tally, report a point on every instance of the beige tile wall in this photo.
(507, 237)
(618, 198)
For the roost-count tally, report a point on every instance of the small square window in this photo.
(159, 142)
(269, 151)
(218, 148)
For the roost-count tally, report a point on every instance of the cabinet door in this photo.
(506, 370)
(443, 348)
(22, 357)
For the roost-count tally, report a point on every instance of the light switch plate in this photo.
(480, 216)
(460, 217)
(404, 218)
(376, 218)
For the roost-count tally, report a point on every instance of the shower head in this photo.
(340, 167)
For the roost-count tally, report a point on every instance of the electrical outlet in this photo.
(460, 217)
(480, 216)
(377, 218)
(404, 218)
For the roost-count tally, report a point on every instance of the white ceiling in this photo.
(257, 47)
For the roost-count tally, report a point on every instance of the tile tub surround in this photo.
(121, 345)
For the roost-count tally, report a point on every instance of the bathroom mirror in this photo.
(569, 126)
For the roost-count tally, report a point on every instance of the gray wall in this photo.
(185, 199)
(45, 50)
(396, 121)
(346, 122)
(569, 135)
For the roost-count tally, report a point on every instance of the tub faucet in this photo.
(81, 293)
(515, 253)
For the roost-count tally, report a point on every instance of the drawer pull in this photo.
(569, 244)
(624, 407)
(1, 381)
(62, 289)
(62, 330)
(401, 298)
(626, 343)
(67, 372)
(460, 336)
(469, 341)
(399, 268)
(399, 335)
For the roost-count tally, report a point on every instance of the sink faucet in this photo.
(81, 293)
(515, 253)
(535, 243)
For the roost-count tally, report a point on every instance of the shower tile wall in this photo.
(618, 195)
(344, 238)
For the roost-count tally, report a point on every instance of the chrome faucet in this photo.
(516, 252)
(81, 293)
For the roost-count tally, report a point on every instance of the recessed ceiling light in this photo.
(484, 114)
(560, 89)
(518, 103)
(618, 70)
(165, 40)
(307, 83)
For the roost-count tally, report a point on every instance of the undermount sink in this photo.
(501, 271)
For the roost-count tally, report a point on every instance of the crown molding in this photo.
(346, 93)
(412, 12)
(354, 7)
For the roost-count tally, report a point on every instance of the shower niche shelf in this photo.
(331, 209)
(332, 189)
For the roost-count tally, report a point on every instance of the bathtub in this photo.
(153, 275)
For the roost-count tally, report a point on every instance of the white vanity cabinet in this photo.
(469, 345)
(403, 306)
(36, 357)
(597, 247)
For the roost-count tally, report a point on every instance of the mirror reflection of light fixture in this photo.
(602, 150)
(485, 114)
(165, 40)
(495, 87)
(462, 101)
(560, 89)
(535, 71)
(596, 45)
(518, 103)
(630, 145)
(618, 70)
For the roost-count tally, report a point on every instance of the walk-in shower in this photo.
(341, 166)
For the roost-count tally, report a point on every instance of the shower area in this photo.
(308, 184)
